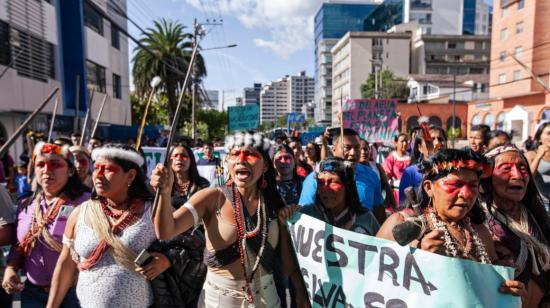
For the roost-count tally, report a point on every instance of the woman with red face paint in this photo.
(517, 220)
(453, 218)
(289, 183)
(240, 219)
(104, 236)
(40, 223)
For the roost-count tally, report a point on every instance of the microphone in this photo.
(414, 227)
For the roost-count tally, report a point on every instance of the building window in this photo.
(476, 120)
(516, 75)
(501, 118)
(519, 27)
(5, 53)
(34, 56)
(96, 76)
(517, 52)
(117, 86)
(451, 46)
(502, 78)
(489, 120)
(503, 34)
(115, 36)
(92, 18)
(521, 4)
(502, 56)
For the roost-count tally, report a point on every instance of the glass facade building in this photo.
(469, 17)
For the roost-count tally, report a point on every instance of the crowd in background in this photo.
(84, 229)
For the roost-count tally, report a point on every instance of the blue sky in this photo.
(274, 37)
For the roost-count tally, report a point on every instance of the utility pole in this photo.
(454, 112)
(193, 83)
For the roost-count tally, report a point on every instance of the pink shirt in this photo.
(39, 265)
(394, 165)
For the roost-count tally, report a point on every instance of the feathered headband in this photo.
(255, 140)
(457, 165)
(112, 152)
(501, 149)
(42, 148)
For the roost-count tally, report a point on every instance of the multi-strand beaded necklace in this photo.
(451, 242)
(244, 234)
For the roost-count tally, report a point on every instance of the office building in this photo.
(288, 94)
(252, 94)
(65, 44)
(359, 54)
(519, 102)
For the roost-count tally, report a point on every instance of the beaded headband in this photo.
(255, 140)
(42, 148)
(501, 149)
(111, 152)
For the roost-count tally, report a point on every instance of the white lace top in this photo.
(108, 284)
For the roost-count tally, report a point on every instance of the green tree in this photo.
(215, 121)
(158, 111)
(392, 86)
(166, 42)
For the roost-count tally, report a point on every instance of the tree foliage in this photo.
(215, 121)
(166, 42)
(392, 86)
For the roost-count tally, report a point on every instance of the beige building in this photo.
(367, 51)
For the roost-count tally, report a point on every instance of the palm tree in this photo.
(165, 42)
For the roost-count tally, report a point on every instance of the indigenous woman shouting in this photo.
(454, 219)
(40, 223)
(242, 231)
(517, 220)
(105, 234)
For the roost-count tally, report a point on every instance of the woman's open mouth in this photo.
(242, 174)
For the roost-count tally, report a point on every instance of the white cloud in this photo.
(289, 22)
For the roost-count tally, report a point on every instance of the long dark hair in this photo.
(138, 188)
(538, 133)
(317, 157)
(347, 176)
(194, 176)
(426, 167)
(531, 200)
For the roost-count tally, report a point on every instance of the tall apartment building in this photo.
(49, 44)
(358, 54)
(273, 100)
(435, 17)
(288, 94)
(252, 94)
(520, 32)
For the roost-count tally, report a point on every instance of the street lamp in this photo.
(193, 114)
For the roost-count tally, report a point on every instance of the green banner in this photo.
(243, 117)
(347, 269)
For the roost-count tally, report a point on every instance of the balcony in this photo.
(421, 5)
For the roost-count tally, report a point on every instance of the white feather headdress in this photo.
(112, 152)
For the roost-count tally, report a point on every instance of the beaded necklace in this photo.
(121, 221)
(244, 234)
(450, 242)
(182, 188)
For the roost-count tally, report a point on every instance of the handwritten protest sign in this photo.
(347, 269)
(243, 117)
(374, 119)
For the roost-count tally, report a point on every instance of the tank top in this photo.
(109, 284)
(542, 179)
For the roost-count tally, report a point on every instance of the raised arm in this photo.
(169, 223)
(65, 272)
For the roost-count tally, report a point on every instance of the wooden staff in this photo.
(19, 130)
(87, 117)
(54, 114)
(341, 119)
(154, 83)
(99, 115)
(175, 121)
